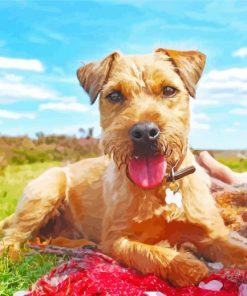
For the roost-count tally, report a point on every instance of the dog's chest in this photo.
(150, 231)
(157, 229)
(154, 218)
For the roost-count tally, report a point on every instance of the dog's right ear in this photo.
(94, 75)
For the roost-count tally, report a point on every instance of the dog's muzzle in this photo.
(147, 166)
(144, 136)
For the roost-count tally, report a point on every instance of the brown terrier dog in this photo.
(118, 200)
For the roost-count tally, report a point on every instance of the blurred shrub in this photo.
(24, 150)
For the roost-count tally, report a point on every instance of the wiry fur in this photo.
(99, 202)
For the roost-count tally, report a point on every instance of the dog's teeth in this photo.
(136, 157)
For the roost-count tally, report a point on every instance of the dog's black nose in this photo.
(144, 132)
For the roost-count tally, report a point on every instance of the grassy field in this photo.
(16, 276)
(12, 181)
(234, 163)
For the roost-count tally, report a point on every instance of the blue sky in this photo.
(42, 43)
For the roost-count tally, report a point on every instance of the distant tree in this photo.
(90, 133)
(82, 132)
(40, 135)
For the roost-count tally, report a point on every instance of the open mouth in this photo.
(147, 171)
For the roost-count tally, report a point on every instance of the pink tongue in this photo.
(147, 172)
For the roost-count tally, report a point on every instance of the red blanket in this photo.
(97, 274)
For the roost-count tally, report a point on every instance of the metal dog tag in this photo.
(173, 196)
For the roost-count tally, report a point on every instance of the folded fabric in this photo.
(232, 203)
(97, 274)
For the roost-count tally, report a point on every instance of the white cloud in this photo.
(205, 102)
(21, 64)
(76, 107)
(224, 86)
(58, 78)
(239, 74)
(67, 99)
(230, 130)
(23, 90)
(197, 125)
(13, 88)
(201, 116)
(240, 53)
(13, 78)
(198, 118)
(15, 115)
(239, 111)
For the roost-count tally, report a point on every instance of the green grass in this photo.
(20, 275)
(12, 181)
(16, 276)
(234, 163)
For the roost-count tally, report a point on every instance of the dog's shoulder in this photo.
(89, 169)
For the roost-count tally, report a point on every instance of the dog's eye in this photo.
(115, 97)
(169, 91)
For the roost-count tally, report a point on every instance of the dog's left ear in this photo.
(188, 64)
(94, 75)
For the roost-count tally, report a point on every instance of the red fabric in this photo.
(97, 274)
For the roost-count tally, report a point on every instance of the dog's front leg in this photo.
(225, 250)
(180, 268)
(200, 209)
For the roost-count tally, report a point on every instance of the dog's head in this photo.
(144, 108)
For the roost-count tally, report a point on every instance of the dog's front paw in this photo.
(238, 258)
(186, 270)
(233, 254)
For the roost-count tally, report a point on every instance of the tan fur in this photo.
(97, 200)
